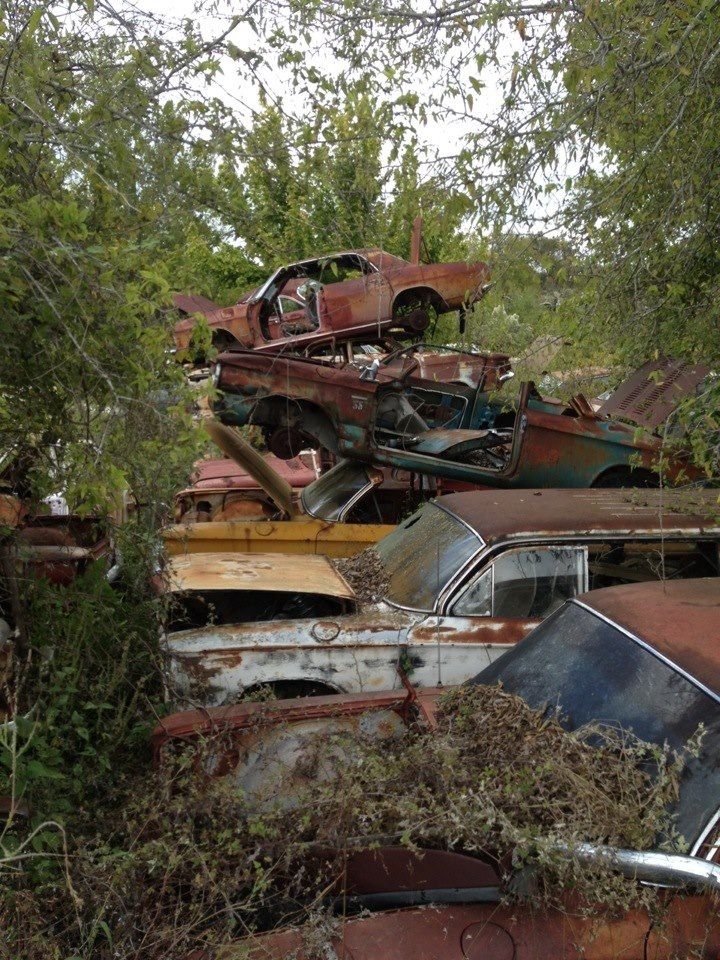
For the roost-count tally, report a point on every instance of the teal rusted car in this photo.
(391, 418)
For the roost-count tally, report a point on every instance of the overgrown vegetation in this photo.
(179, 863)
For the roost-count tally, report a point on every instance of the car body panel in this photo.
(353, 653)
(363, 303)
(651, 394)
(514, 932)
(305, 535)
(260, 571)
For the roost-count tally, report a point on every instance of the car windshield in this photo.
(423, 554)
(596, 673)
(331, 496)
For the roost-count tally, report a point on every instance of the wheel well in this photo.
(221, 338)
(625, 476)
(418, 294)
(276, 411)
(289, 689)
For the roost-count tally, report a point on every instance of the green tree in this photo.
(107, 164)
(604, 126)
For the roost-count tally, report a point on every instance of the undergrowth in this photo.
(167, 861)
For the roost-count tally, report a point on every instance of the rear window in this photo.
(595, 673)
(423, 555)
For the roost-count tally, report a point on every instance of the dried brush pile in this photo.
(366, 575)
(179, 864)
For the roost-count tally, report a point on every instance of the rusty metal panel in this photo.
(213, 665)
(679, 617)
(303, 536)
(258, 571)
(194, 303)
(514, 932)
(651, 394)
(499, 515)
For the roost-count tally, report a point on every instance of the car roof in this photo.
(375, 255)
(501, 515)
(275, 572)
(679, 619)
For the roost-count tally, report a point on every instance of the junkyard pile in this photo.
(492, 778)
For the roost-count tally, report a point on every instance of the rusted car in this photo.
(437, 362)
(402, 421)
(316, 300)
(260, 510)
(221, 490)
(463, 580)
(642, 657)
(348, 408)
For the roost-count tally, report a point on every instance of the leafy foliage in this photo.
(591, 118)
(103, 166)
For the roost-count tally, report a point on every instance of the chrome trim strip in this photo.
(646, 646)
(652, 866)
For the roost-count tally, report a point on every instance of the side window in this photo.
(288, 305)
(525, 584)
(476, 601)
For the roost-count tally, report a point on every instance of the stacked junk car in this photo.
(447, 647)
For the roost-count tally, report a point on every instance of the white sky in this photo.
(445, 137)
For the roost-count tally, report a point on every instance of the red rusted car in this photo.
(314, 301)
(348, 407)
(222, 490)
(643, 657)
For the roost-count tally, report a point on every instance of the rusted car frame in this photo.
(404, 422)
(348, 409)
(368, 292)
(467, 577)
(664, 680)
(221, 490)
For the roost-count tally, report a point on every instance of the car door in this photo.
(373, 301)
(494, 609)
